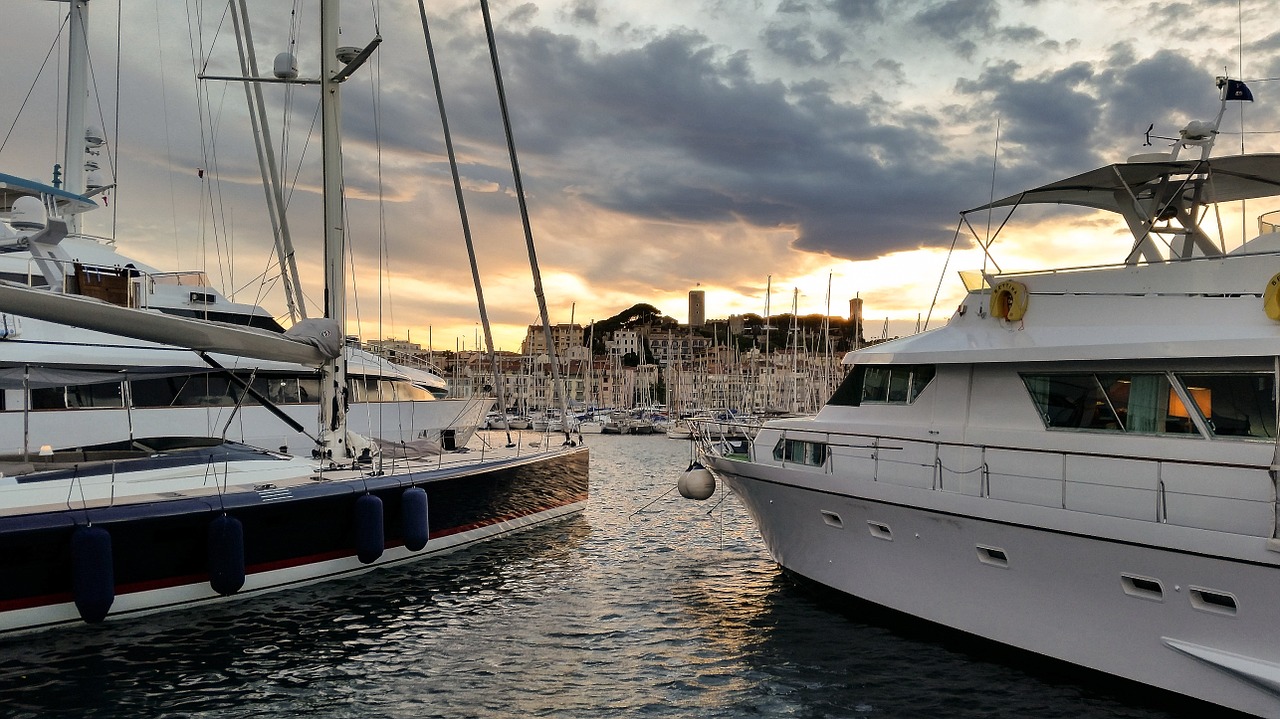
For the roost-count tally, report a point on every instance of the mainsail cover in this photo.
(313, 347)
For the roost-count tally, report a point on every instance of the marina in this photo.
(227, 490)
(670, 612)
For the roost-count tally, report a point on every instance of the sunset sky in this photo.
(664, 146)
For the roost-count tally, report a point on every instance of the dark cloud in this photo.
(793, 6)
(959, 17)
(585, 12)
(1054, 112)
(1021, 34)
(857, 10)
(790, 43)
(675, 131)
(1162, 89)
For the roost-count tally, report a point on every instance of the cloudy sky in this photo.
(664, 145)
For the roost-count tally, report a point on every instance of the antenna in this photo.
(995, 163)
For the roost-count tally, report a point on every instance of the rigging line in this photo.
(302, 156)
(995, 163)
(375, 92)
(30, 90)
(192, 35)
(223, 239)
(349, 253)
(223, 242)
(557, 379)
(168, 136)
(256, 106)
(466, 224)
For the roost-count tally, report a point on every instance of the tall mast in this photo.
(77, 96)
(267, 164)
(333, 380)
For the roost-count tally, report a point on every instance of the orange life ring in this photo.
(1271, 298)
(1009, 301)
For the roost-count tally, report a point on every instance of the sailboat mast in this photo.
(558, 386)
(267, 164)
(77, 96)
(333, 381)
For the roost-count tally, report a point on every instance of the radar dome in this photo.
(28, 215)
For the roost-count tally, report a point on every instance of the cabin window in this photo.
(1119, 402)
(308, 390)
(49, 398)
(1237, 404)
(800, 451)
(283, 390)
(104, 394)
(1232, 404)
(883, 384)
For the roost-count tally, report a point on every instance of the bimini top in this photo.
(13, 187)
(1239, 177)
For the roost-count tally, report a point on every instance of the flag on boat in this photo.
(1237, 90)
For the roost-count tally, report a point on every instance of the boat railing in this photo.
(731, 436)
(1236, 497)
(979, 281)
(1269, 222)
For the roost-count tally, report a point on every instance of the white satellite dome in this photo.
(93, 136)
(28, 215)
(286, 66)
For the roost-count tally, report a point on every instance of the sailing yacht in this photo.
(90, 532)
(82, 378)
(166, 389)
(1083, 463)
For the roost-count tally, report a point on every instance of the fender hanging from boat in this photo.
(416, 526)
(93, 584)
(226, 555)
(369, 536)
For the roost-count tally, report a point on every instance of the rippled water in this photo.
(673, 611)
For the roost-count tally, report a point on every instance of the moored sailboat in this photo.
(152, 523)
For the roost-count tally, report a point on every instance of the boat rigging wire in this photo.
(556, 376)
(466, 224)
(53, 46)
(955, 237)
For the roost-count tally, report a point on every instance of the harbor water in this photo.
(674, 610)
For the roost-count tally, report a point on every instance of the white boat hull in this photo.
(1043, 588)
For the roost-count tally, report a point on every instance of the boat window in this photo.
(282, 390)
(104, 394)
(1140, 402)
(308, 390)
(883, 384)
(801, 451)
(369, 389)
(49, 398)
(1239, 404)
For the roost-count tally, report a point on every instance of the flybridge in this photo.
(1161, 197)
